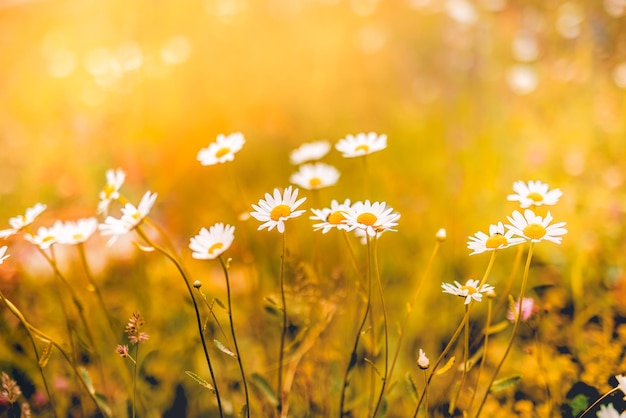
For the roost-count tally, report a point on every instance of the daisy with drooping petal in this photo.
(496, 240)
(222, 150)
(111, 191)
(309, 152)
(45, 236)
(371, 217)
(3, 254)
(211, 243)
(469, 290)
(75, 232)
(275, 210)
(361, 144)
(609, 411)
(20, 222)
(534, 193)
(131, 217)
(315, 176)
(535, 228)
(333, 217)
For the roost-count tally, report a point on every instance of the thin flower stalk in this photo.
(232, 331)
(465, 358)
(485, 346)
(180, 269)
(282, 397)
(353, 355)
(385, 377)
(603, 397)
(515, 327)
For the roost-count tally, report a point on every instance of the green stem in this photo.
(385, 330)
(484, 356)
(135, 380)
(598, 401)
(353, 356)
(515, 327)
(180, 269)
(232, 330)
(283, 335)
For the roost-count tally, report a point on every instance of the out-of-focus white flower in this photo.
(496, 240)
(422, 361)
(76, 232)
(20, 222)
(315, 176)
(222, 150)
(211, 243)
(534, 193)
(309, 152)
(533, 228)
(111, 191)
(609, 411)
(131, 217)
(333, 217)
(371, 217)
(45, 236)
(274, 210)
(469, 290)
(361, 144)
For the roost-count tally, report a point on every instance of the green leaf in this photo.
(45, 355)
(101, 400)
(495, 328)
(579, 404)
(224, 349)
(200, 380)
(412, 387)
(445, 368)
(84, 374)
(502, 384)
(219, 303)
(262, 384)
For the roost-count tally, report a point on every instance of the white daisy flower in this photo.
(309, 152)
(496, 240)
(621, 383)
(534, 193)
(275, 210)
(45, 236)
(532, 227)
(3, 254)
(469, 290)
(609, 411)
(222, 150)
(210, 244)
(361, 144)
(131, 217)
(111, 191)
(371, 217)
(76, 232)
(422, 361)
(333, 217)
(20, 222)
(315, 176)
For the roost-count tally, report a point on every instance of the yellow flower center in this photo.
(78, 237)
(214, 247)
(367, 218)
(108, 190)
(534, 196)
(221, 152)
(363, 147)
(315, 182)
(47, 238)
(280, 211)
(136, 216)
(336, 218)
(496, 240)
(535, 231)
(470, 289)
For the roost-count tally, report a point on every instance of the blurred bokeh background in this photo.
(472, 94)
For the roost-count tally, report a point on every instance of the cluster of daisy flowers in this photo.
(521, 228)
